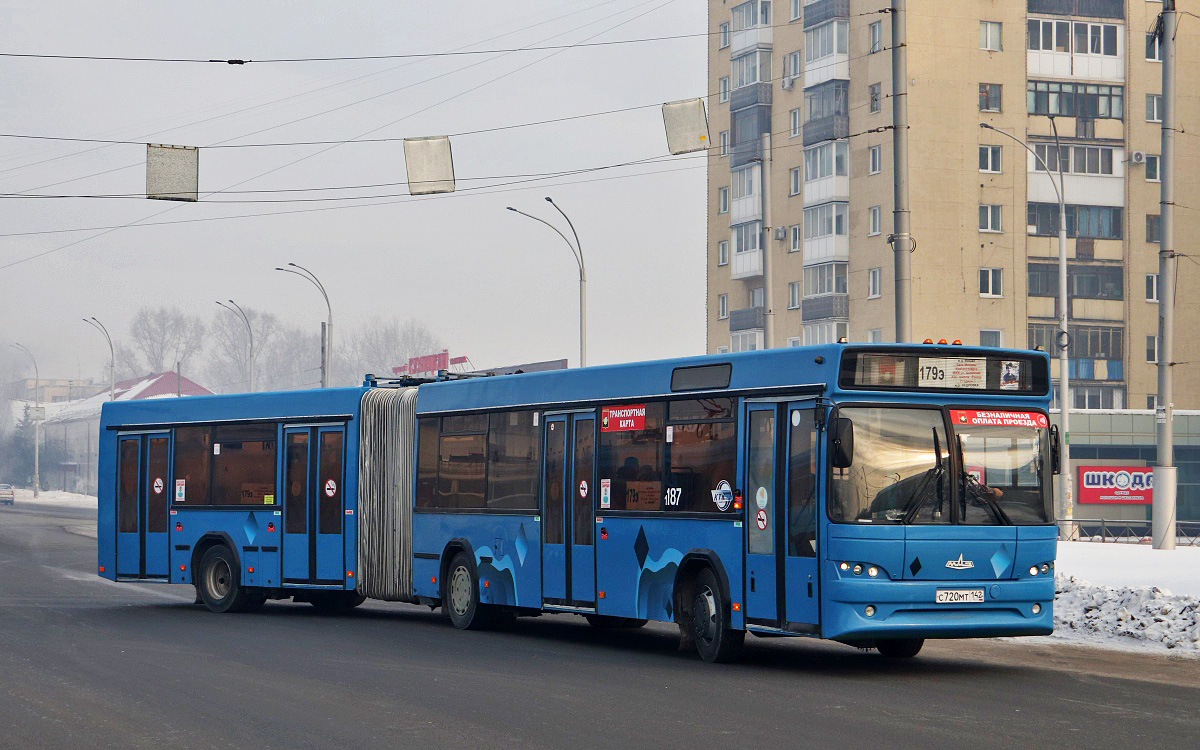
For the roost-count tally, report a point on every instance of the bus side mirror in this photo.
(1055, 451)
(841, 432)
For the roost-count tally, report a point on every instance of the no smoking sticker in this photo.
(330, 488)
(583, 488)
(158, 485)
(761, 520)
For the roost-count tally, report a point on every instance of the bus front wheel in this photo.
(461, 595)
(899, 648)
(220, 585)
(714, 639)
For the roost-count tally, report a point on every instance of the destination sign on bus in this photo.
(940, 370)
(951, 372)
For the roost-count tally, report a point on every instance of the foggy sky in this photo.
(492, 285)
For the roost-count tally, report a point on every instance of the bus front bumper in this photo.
(860, 610)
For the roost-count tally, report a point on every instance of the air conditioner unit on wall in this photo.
(1137, 157)
(787, 83)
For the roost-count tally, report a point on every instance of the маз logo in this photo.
(960, 563)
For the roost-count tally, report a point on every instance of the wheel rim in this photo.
(219, 579)
(704, 616)
(460, 590)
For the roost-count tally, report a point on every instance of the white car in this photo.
(7, 496)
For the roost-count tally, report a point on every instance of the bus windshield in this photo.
(901, 469)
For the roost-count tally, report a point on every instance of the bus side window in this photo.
(802, 485)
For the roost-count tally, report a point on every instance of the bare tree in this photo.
(379, 346)
(166, 336)
(128, 364)
(228, 369)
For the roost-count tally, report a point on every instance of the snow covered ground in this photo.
(1124, 596)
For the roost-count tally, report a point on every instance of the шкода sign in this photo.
(1116, 485)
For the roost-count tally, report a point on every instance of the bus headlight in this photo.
(870, 610)
(873, 571)
(1037, 609)
(857, 569)
(845, 566)
(1045, 568)
(1033, 571)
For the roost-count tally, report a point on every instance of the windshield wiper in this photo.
(917, 500)
(979, 491)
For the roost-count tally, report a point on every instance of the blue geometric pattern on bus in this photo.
(500, 575)
(1001, 560)
(656, 579)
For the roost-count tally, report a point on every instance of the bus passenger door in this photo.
(583, 521)
(313, 549)
(801, 594)
(759, 467)
(296, 555)
(142, 481)
(331, 479)
(554, 505)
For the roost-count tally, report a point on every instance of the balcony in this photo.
(746, 265)
(827, 248)
(826, 129)
(827, 189)
(825, 306)
(750, 319)
(1084, 189)
(828, 68)
(748, 96)
(825, 10)
(1091, 8)
(747, 39)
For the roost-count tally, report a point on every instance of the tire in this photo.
(715, 642)
(607, 622)
(460, 595)
(899, 648)
(220, 584)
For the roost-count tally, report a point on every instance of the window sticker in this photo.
(1010, 375)
(723, 495)
(180, 490)
(623, 418)
(606, 493)
(216, 449)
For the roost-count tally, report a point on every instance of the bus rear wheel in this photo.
(899, 648)
(460, 597)
(220, 586)
(715, 641)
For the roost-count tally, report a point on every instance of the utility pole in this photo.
(1165, 472)
(112, 357)
(249, 334)
(902, 243)
(766, 239)
(326, 327)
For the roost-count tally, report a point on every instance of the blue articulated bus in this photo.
(876, 495)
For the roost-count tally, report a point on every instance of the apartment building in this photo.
(802, 114)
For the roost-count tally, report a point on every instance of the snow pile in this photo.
(1147, 614)
(54, 499)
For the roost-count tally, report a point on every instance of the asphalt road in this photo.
(85, 663)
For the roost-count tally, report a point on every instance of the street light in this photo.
(327, 359)
(249, 332)
(37, 422)
(577, 251)
(1065, 509)
(112, 360)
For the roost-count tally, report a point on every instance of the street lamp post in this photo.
(37, 422)
(1066, 511)
(249, 333)
(112, 359)
(577, 251)
(327, 359)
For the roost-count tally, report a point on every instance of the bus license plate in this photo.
(968, 596)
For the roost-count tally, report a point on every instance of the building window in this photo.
(989, 219)
(1153, 47)
(874, 220)
(873, 97)
(1099, 397)
(825, 40)
(826, 220)
(724, 138)
(722, 350)
(1152, 169)
(795, 341)
(1083, 281)
(1152, 349)
(1096, 160)
(825, 278)
(1097, 222)
(1089, 38)
(797, 9)
(991, 337)
(723, 200)
(797, 123)
(723, 253)
(1153, 108)
(1075, 100)
(826, 100)
(989, 35)
(989, 97)
(752, 68)
(825, 333)
(723, 35)
(1151, 402)
(875, 37)
(875, 336)
(874, 283)
(1152, 287)
(989, 159)
(747, 237)
(1153, 228)
(826, 160)
(991, 282)
(745, 16)
(723, 89)
(874, 159)
(756, 297)
(745, 341)
(722, 307)
(792, 65)
(743, 182)
(1087, 342)
(794, 295)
